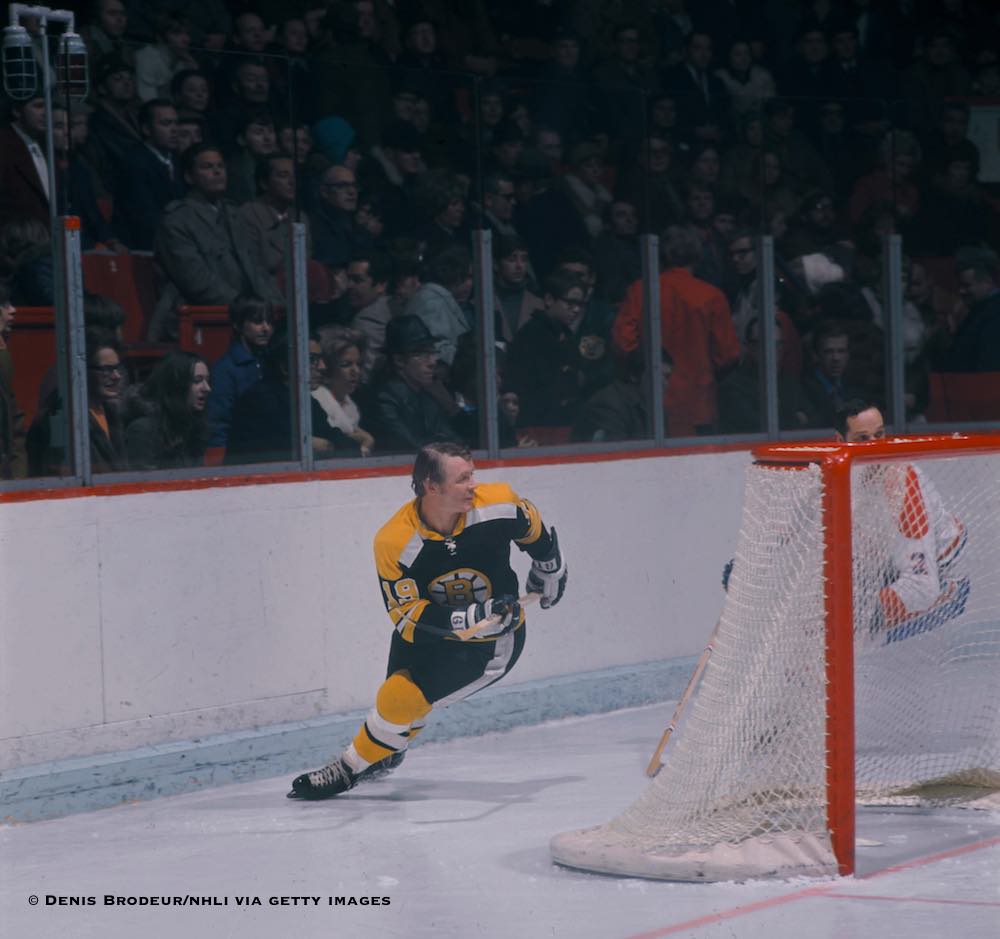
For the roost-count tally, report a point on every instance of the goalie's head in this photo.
(858, 421)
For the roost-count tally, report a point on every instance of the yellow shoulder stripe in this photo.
(392, 540)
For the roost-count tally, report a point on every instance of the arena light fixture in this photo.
(19, 67)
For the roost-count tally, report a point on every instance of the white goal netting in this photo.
(744, 789)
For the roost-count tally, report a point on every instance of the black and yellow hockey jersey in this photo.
(426, 576)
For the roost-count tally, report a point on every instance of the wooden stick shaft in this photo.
(492, 620)
(655, 761)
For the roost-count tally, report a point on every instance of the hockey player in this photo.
(927, 538)
(443, 563)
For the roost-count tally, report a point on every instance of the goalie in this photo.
(926, 538)
(443, 562)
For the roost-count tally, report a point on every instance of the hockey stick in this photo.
(491, 620)
(655, 761)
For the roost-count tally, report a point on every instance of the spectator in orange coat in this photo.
(697, 331)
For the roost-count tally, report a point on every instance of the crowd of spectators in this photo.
(394, 128)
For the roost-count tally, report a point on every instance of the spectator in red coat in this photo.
(697, 331)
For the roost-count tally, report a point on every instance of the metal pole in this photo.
(489, 422)
(650, 248)
(79, 427)
(768, 333)
(895, 366)
(297, 307)
(50, 155)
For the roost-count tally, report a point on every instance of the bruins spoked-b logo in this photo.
(460, 587)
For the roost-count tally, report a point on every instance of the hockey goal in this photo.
(848, 666)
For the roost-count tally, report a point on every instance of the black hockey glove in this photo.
(506, 609)
(548, 575)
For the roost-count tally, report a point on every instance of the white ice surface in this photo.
(457, 840)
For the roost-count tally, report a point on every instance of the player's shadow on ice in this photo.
(496, 794)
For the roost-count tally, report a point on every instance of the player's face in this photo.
(868, 425)
(457, 490)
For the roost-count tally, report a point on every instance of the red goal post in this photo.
(825, 680)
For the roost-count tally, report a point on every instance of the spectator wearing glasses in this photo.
(403, 413)
(544, 365)
(336, 234)
(106, 384)
(105, 390)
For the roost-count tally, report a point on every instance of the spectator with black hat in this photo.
(402, 412)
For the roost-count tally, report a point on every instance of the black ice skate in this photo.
(338, 777)
(383, 767)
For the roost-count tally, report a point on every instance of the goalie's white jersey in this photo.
(926, 542)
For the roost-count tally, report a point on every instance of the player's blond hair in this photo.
(428, 466)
